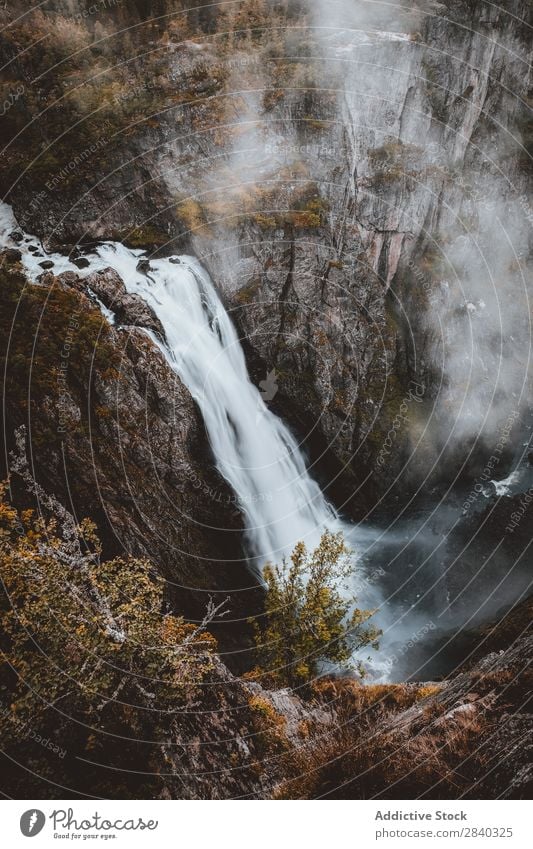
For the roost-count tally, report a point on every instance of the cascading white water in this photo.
(254, 451)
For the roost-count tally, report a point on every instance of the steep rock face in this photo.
(257, 740)
(233, 742)
(337, 188)
(244, 737)
(479, 700)
(114, 432)
(466, 737)
(346, 190)
(360, 292)
(85, 141)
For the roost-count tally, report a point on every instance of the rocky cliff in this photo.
(116, 436)
(357, 187)
(347, 189)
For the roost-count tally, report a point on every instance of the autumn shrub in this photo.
(90, 657)
(307, 621)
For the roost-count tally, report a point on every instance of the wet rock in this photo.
(11, 255)
(81, 262)
(70, 279)
(128, 309)
(143, 266)
(47, 264)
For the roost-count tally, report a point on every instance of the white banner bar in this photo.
(248, 824)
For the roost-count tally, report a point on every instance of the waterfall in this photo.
(253, 450)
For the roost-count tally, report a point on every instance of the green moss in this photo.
(53, 342)
(247, 293)
(314, 124)
(307, 212)
(304, 220)
(191, 214)
(142, 237)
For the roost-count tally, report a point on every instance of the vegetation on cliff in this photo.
(115, 125)
(105, 691)
(307, 622)
(90, 655)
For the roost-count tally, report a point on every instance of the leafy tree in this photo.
(307, 621)
(88, 653)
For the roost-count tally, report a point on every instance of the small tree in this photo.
(89, 633)
(90, 659)
(307, 621)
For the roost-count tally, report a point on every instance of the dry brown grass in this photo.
(376, 750)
